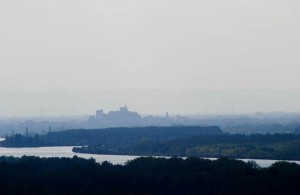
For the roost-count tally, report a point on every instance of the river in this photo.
(66, 151)
(62, 151)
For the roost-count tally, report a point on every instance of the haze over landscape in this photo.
(147, 52)
(150, 97)
(155, 102)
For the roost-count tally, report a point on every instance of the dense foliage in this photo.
(187, 141)
(256, 146)
(19, 140)
(111, 136)
(33, 175)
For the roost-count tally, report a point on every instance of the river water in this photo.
(66, 151)
(62, 151)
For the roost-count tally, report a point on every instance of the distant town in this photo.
(277, 122)
(124, 118)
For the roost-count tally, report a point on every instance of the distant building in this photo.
(99, 113)
(124, 109)
(126, 118)
(115, 117)
(123, 114)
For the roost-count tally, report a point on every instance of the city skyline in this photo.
(155, 102)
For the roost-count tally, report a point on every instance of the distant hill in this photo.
(110, 136)
(127, 135)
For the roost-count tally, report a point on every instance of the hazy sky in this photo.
(67, 45)
(188, 102)
(158, 44)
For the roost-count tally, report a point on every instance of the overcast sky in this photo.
(54, 45)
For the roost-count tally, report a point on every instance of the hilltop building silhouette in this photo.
(121, 117)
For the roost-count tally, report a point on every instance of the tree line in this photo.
(255, 146)
(183, 141)
(33, 175)
(109, 136)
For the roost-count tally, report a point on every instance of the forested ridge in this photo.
(33, 175)
(256, 146)
(182, 141)
(109, 136)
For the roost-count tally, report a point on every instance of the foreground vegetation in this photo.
(33, 175)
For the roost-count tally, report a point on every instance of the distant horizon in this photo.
(147, 102)
(179, 56)
(80, 116)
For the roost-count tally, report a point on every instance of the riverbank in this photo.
(66, 151)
